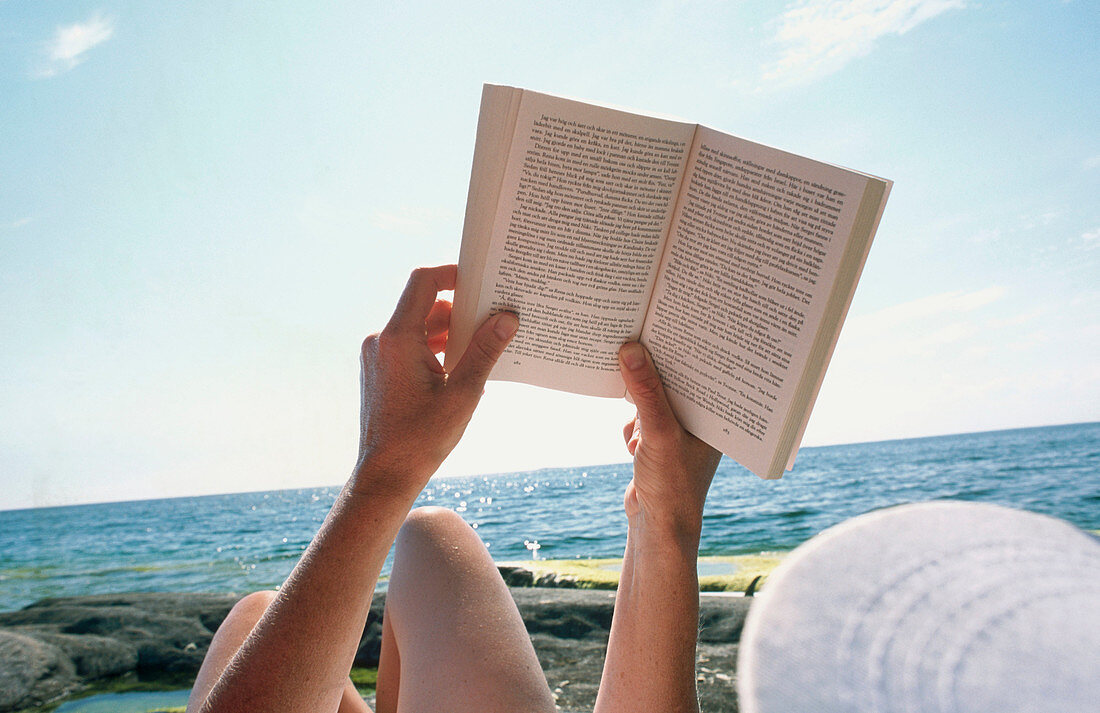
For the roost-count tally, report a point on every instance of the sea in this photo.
(247, 541)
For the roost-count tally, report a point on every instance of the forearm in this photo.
(413, 413)
(299, 654)
(650, 661)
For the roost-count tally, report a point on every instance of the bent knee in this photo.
(432, 519)
(433, 524)
(252, 606)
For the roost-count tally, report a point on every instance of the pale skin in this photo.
(452, 637)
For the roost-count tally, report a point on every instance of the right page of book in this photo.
(763, 256)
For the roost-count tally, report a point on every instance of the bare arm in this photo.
(298, 656)
(650, 661)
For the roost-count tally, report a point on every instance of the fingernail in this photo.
(506, 325)
(633, 356)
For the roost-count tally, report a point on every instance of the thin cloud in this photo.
(15, 224)
(404, 222)
(923, 327)
(70, 45)
(820, 37)
(938, 306)
(410, 221)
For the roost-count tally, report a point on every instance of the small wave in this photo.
(799, 512)
(974, 493)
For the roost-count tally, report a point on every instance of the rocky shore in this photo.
(57, 647)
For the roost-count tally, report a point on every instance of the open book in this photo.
(734, 263)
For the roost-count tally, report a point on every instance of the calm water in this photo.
(243, 542)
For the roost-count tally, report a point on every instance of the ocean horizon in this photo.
(621, 464)
(241, 542)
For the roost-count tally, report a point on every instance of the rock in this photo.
(578, 662)
(55, 646)
(188, 605)
(93, 656)
(716, 682)
(159, 658)
(32, 672)
(517, 576)
(566, 613)
(722, 618)
(165, 643)
(370, 645)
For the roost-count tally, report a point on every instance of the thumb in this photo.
(488, 343)
(645, 388)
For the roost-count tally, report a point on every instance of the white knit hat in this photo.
(935, 607)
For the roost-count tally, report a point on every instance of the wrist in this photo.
(677, 531)
(385, 480)
(663, 516)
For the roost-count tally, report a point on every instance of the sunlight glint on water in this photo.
(243, 542)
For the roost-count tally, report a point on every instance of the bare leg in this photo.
(229, 637)
(460, 642)
(389, 668)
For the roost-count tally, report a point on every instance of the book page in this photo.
(585, 204)
(753, 255)
(495, 122)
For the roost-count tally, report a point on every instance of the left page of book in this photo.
(580, 217)
(496, 121)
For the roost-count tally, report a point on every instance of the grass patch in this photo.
(749, 567)
(589, 573)
(604, 573)
(365, 680)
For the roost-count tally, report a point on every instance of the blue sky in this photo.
(204, 207)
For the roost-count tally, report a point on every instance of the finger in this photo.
(631, 434)
(628, 429)
(634, 438)
(419, 297)
(485, 348)
(438, 322)
(644, 385)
